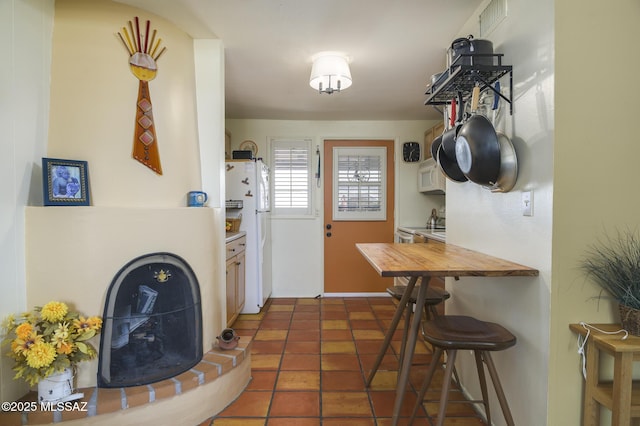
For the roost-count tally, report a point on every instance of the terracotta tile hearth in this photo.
(112, 406)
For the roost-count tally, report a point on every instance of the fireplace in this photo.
(152, 326)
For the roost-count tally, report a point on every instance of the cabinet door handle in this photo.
(238, 263)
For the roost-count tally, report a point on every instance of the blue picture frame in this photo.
(65, 182)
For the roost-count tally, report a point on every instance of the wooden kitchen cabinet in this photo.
(235, 278)
(429, 136)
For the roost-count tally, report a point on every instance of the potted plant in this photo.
(614, 264)
(47, 344)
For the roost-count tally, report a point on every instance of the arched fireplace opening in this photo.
(152, 322)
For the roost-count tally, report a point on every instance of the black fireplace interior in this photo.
(152, 326)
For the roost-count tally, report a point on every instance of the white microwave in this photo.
(431, 180)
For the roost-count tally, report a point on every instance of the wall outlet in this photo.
(527, 203)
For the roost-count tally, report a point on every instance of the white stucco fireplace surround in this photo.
(73, 253)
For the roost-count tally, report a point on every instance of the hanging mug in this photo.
(197, 198)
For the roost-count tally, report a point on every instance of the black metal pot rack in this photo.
(461, 79)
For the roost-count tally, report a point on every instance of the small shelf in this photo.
(461, 79)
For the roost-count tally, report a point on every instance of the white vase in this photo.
(56, 387)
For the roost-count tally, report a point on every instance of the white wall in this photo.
(25, 48)
(297, 244)
(493, 222)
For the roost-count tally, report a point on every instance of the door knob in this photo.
(328, 234)
(328, 226)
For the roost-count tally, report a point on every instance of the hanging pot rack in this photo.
(463, 78)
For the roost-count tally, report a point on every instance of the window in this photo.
(359, 184)
(291, 177)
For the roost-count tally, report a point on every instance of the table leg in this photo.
(392, 328)
(403, 376)
(622, 388)
(591, 414)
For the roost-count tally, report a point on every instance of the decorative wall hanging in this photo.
(143, 57)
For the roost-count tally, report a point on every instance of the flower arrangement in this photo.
(48, 340)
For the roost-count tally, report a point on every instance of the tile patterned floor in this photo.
(310, 359)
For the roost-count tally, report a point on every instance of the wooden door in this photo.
(358, 208)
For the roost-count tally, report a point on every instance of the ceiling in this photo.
(394, 46)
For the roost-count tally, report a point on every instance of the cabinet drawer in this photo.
(236, 246)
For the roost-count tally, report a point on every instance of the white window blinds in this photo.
(291, 160)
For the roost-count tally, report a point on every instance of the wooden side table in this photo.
(622, 395)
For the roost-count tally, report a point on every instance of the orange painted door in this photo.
(358, 208)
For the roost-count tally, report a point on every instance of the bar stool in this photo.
(435, 296)
(451, 333)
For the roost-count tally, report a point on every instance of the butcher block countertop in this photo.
(440, 260)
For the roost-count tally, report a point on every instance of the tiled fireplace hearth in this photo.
(188, 398)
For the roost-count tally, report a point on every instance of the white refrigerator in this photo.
(247, 185)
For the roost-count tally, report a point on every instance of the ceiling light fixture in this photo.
(330, 72)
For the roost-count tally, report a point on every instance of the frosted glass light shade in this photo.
(329, 69)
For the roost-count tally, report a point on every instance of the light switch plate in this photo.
(527, 203)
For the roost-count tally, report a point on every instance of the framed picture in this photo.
(65, 182)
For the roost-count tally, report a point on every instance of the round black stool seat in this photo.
(435, 295)
(462, 332)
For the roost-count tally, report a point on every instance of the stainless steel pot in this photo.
(508, 166)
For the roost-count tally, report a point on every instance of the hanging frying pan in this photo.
(434, 147)
(450, 167)
(508, 166)
(478, 151)
(449, 136)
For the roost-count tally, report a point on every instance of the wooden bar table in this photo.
(425, 261)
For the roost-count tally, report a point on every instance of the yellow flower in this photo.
(54, 311)
(22, 346)
(64, 348)
(95, 323)
(61, 333)
(24, 330)
(40, 355)
(82, 324)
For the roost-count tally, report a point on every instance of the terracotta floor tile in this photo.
(389, 362)
(262, 380)
(246, 325)
(283, 301)
(337, 347)
(304, 336)
(295, 404)
(335, 325)
(370, 335)
(332, 301)
(333, 308)
(281, 308)
(308, 301)
(300, 362)
(307, 308)
(278, 315)
(334, 315)
(336, 335)
(346, 362)
(271, 335)
(267, 347)
(364, 315)
(298, 380)
(345, 404)
(297, 316)
(302, 348)
(249, 404)
(350, 421)
(342, 381)
(384, 380)
(238, 421)
(265, 361)
(370, 347)
(305, 324)
(275, 324)
(365, 325)
(383, 402)
(292, 421)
